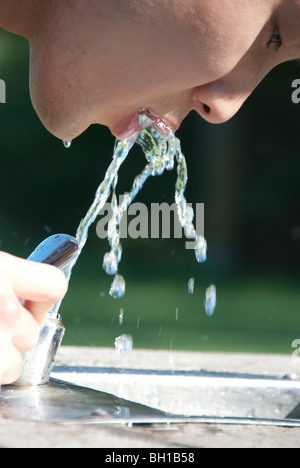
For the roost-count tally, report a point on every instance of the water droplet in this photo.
(201, 249)
(110, 263)
(124, 345)
(122, 412)
(67, 144)
(191, 285)
(121, 316)
(291, 377)
(210, 300)
(118, 287)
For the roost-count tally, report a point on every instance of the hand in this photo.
(28, 290)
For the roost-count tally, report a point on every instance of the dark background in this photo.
(246, 172)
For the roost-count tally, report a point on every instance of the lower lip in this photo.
(140, 121)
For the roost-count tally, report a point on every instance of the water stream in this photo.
(162, 150)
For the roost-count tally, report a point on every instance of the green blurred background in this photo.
(247, 173)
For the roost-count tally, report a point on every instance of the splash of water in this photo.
(161, 149)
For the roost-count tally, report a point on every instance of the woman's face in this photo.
(100, 61)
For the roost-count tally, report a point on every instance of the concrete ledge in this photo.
(242, 363)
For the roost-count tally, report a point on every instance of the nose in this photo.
(218, 101)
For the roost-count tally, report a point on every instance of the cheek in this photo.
(218, 59)
(224, 35)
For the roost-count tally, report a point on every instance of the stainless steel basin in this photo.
(220, 395)
(134, 394)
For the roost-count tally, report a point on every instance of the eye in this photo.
(275, 39)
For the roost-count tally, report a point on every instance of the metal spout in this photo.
(38, 362)
(58, 250)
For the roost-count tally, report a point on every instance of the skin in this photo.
(28, 290)
(208, 56)
(100, 61)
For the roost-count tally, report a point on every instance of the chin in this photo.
(61, 124)
(64, 131)
(65, 119)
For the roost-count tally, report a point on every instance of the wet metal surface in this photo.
(61, 402)
(192, 393)
(65, 403)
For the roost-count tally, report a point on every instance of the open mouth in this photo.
(142, 119)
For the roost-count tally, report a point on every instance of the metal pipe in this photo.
(58, 250)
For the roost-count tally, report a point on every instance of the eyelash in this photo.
(275, 39)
